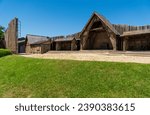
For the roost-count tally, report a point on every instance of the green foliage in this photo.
(2, 29)
(4, 52)
(27, 77)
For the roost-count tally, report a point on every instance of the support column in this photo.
(83, 42)
(113, 41)
(58, 47)
(73, 45)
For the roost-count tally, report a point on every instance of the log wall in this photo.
(11, 36)
(126, 28)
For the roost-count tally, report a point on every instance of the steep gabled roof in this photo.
(33, 39)
(104, 20)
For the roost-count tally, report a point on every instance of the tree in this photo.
(2, 29)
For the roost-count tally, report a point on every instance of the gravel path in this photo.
(135, 57)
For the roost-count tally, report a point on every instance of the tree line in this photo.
(2, 29)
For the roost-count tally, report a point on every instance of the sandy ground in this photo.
(135, 57)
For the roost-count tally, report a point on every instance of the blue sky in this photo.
(62, 17)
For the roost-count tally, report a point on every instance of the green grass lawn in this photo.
(27, 77)
(4, 52)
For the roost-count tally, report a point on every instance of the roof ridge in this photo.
(108, 23)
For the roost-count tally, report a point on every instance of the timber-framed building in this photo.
(98, 34)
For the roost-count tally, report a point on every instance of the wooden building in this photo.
(98, 34)
(66, 43)
(69, 44)
(37, 44)
(136, 40)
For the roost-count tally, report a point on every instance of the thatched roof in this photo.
(104, 20)
(35, 39)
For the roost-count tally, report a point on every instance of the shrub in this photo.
(4, 52)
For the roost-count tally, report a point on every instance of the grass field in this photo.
(4, 52)
(27, 77)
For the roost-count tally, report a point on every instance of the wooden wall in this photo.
(37, 48)
(138, 43)
(125, 28)
(11, 36)
(65, 45)
(99, 40)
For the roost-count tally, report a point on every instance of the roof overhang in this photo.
(64, 40)
(135, 33)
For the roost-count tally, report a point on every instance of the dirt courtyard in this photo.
(108, 56)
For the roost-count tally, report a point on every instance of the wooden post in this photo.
(125, 44)
(81, 43)
(113, 41)
(73, 45)
(58, 47)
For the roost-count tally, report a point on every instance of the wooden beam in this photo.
(125, 44)
(97, 29)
